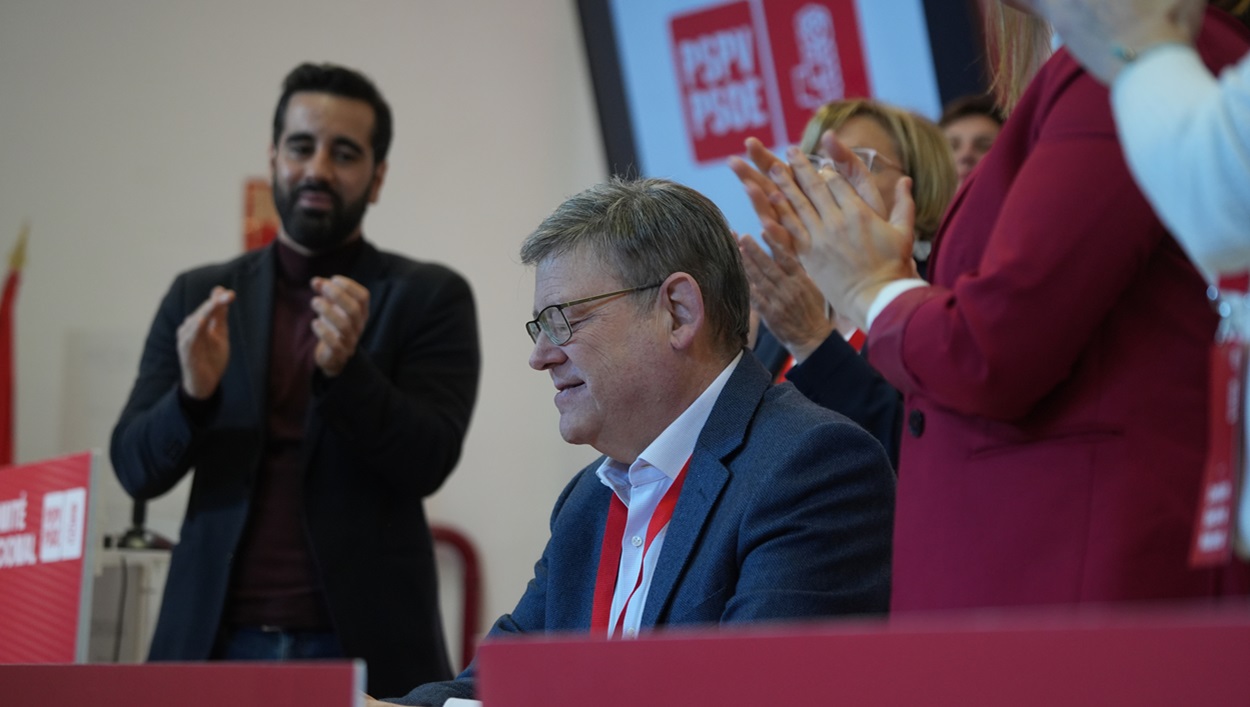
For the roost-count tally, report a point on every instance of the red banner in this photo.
(323, 683)
(751, 68)
(43, 530)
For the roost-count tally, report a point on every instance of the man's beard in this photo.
(318, 231)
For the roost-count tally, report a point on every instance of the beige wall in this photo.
(127, 128)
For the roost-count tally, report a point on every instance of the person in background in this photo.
(1055, 369)
(971, 124)
(721, 498)
(798, 338)
(317, 390)
(1185, 133)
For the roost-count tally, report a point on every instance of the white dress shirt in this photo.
(641, 486)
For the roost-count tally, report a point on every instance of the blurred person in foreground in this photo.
(1054, 372)
(720, 499)
(317, 390)
(1185, 132)
(798, 338)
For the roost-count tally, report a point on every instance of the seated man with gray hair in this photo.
(720, 498)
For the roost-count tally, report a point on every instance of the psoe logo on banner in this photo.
(760, 69)
(61, 534)
(724, 91)
(816, 78)
(819, 54)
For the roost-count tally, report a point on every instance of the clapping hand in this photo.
(204, 345)
(342, 307)
(833, 219)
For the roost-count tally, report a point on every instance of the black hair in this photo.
(974, 104)
(337, 81)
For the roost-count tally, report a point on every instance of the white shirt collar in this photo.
(668, 452)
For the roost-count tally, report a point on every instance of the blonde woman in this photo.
(798, 339)
(1054, 372)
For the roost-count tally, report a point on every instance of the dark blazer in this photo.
(838, 377)
(379, 438)
(1057, 373)
(785, 514)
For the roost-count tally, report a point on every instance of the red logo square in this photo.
(725, 92)
(818, 55)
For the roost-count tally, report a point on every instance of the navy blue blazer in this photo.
(837, 377)
(786, 514)
(379, 438)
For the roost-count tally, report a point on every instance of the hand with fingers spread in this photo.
(786, 299)
(204, 345)
(342, 307)
(845, 245)
(769, 202)
(761, 190)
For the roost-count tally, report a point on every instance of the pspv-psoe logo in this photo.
(61, 530)
(756, 68)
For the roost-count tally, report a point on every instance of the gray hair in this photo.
(646, 230)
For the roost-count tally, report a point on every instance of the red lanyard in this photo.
(610, 554)
(785, 368)
(856, 340)
(1216, 519)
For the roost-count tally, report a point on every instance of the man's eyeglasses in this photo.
(873, 160)
(552, 322)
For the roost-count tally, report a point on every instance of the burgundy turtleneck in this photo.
(275, 582)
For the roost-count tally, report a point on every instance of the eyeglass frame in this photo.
(534, 326)
(869, 156)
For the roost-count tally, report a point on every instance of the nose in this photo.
(545, 354)
(319, 165)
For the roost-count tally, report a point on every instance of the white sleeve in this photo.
(1186, 138)
(888, 294)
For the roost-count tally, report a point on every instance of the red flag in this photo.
(16, 259)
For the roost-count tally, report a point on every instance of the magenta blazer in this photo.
(1055, 374)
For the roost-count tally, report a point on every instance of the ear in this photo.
(683, 302)
(379, 174)
(273, 162)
